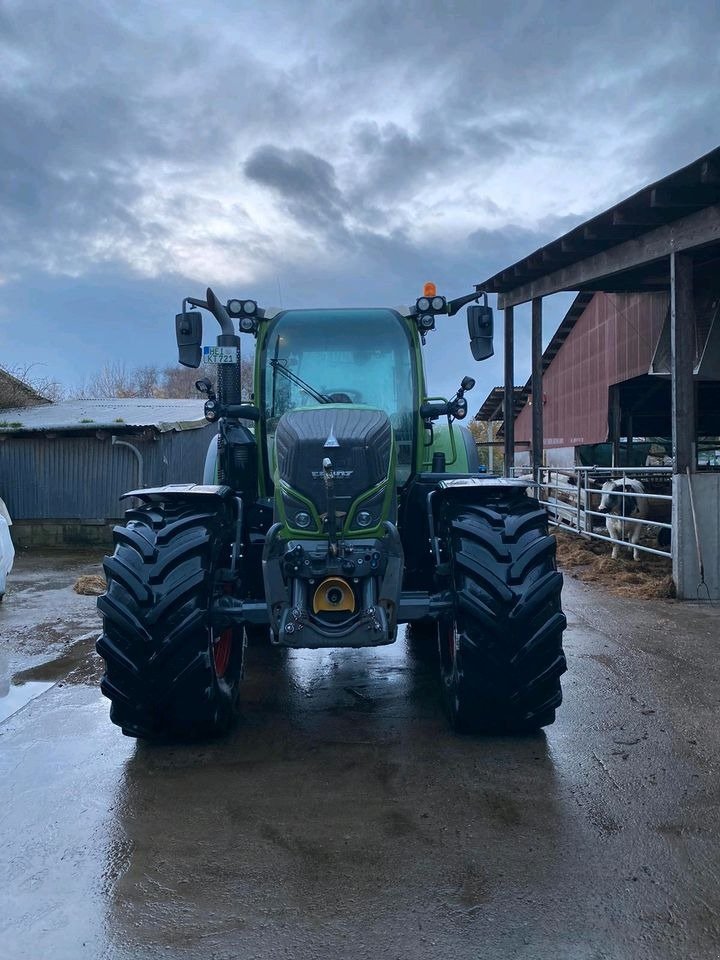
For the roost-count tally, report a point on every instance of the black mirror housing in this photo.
(188, 333)
(480, 329)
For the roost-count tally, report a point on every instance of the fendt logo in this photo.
(337, 474)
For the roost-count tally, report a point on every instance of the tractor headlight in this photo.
(438, 303)
(369, 512)
(423, 304)
(249, 307)
(427, 321)
(297, 514)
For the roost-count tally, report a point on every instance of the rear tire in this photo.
(168, 673)
(501, 649)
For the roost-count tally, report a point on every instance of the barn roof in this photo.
(492, 406)
(668, 210)
(115, 414)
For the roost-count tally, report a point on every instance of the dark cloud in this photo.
(306, 182)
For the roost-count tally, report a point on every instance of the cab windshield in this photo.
(341, 356)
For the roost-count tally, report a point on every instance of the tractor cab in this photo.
(359, 358)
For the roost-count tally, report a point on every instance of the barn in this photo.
(64, 466)
(606, 382)
(635, 363)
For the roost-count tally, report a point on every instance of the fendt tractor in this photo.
(338, 501)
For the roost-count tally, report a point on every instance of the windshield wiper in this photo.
(280, 366)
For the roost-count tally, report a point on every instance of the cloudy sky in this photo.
(318, 153)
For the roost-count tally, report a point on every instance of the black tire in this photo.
(168, 674)
(501, 651)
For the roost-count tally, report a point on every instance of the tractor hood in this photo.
(357, 440)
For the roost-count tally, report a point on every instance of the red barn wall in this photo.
(613, 340)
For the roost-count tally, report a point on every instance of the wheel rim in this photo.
(222, 649)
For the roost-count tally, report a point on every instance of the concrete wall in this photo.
(686, 571)
(79, 534)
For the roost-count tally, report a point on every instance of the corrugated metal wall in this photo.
(82, 478)
(613, 340)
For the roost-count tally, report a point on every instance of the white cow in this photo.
(614, 506)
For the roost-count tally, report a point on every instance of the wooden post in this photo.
(682, 352)
(537, 389)
(615, 417)
(509, 398)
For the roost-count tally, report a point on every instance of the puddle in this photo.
(78, 664)
(21, 694)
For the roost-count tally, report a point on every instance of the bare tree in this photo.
(179, 382)
(171, 382)
(113, 380)
(146, 381)
(19, 387)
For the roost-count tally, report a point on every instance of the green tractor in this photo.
(339, 503)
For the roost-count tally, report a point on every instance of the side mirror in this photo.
(480, 329)
(188, 333)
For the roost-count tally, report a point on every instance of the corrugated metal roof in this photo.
(115, 414)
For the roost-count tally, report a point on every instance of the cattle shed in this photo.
(638, 353)
(64, 466)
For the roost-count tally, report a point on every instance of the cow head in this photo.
(610, 502)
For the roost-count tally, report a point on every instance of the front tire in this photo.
(501, 649)
(168, 672)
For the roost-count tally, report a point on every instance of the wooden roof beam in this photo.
(617, 232)
(694, 230)
(693, 196)
(638, 217)
(710, 172)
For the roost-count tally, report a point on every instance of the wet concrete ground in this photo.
(342, 819)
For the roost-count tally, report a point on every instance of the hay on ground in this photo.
(590, 561)
(90, 585)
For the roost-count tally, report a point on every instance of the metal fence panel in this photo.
(568, 496)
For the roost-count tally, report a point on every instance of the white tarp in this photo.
(7, 550)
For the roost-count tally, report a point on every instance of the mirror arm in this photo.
(193, 301)
(459, 302)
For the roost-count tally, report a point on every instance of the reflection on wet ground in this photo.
(14, 696)
(343, 819)
(335, 819)
(77, 664)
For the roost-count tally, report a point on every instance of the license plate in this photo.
(219, 354)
